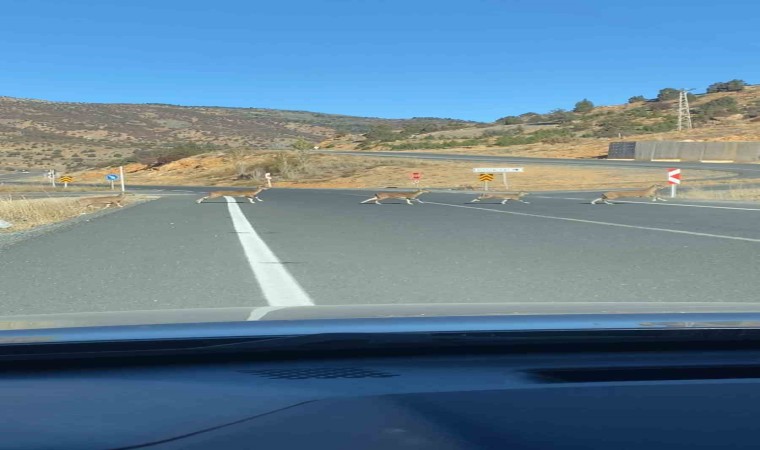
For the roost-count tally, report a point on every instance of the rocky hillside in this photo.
(75, 135)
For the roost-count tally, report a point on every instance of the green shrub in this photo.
(425, 145)
(720, 107)
(727, 86)
(549, 136)
(668, 94)
(583, 106)
(510, 120)
(637, 99)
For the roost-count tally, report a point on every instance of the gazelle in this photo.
(504, 196)
(650, 192)
(88, 202)
(408, 196)
(250, 195)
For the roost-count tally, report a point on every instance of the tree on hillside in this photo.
(728, 86)
(303, 154)
(301, 144)
(559, 115)
(637, 99)
(668, 94)
(510, 120)
(583, 106)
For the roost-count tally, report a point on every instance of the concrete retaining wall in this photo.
(685, 151)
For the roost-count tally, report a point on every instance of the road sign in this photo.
(497, 169)
(112, 177)
(416, 175)
(674, 176)
(66, 179)
(485, 177)
(674, 179)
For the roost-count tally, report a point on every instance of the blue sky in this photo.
(474, 59)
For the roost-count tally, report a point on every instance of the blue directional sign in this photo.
(112, 177)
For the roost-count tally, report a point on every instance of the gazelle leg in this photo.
(409, 202)
(373, 199)
(504, 202)
(597, 201)
(474, 200)
(200, 200)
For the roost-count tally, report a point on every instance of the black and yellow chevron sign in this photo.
(66, 179)
(485, 177)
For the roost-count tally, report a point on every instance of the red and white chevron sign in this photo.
(674, 176)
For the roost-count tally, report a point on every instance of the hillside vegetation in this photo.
(726, 111)
(36, 133)
(74, 137)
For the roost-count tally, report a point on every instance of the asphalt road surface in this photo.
(302, 247)
(741, 170)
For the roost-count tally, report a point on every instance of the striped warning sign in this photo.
(485, 177)
(66, 179)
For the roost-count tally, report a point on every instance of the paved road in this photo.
(323, 247)
(741, 170)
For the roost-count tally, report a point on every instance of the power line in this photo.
(684, 115)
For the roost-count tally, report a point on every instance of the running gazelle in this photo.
(408, 196)
(250, 195)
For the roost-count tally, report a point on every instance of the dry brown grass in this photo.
(30, 213)
(339, 171)
(14, 188)
(733, 193)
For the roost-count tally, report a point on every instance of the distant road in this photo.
(742, 170)
(310, 246)
(18, 176)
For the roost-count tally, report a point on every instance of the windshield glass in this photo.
(174, 161)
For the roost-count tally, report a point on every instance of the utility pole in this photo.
(684, 115)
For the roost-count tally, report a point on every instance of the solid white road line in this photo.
(595, 222)
(668, 203)
(689, 206)
(278, 285)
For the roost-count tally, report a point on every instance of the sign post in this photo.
(268, 177)
(121, 177)
(674, 179)
(51, 175)
(485, 178)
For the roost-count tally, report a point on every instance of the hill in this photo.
(38, 133)
(717, 116)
